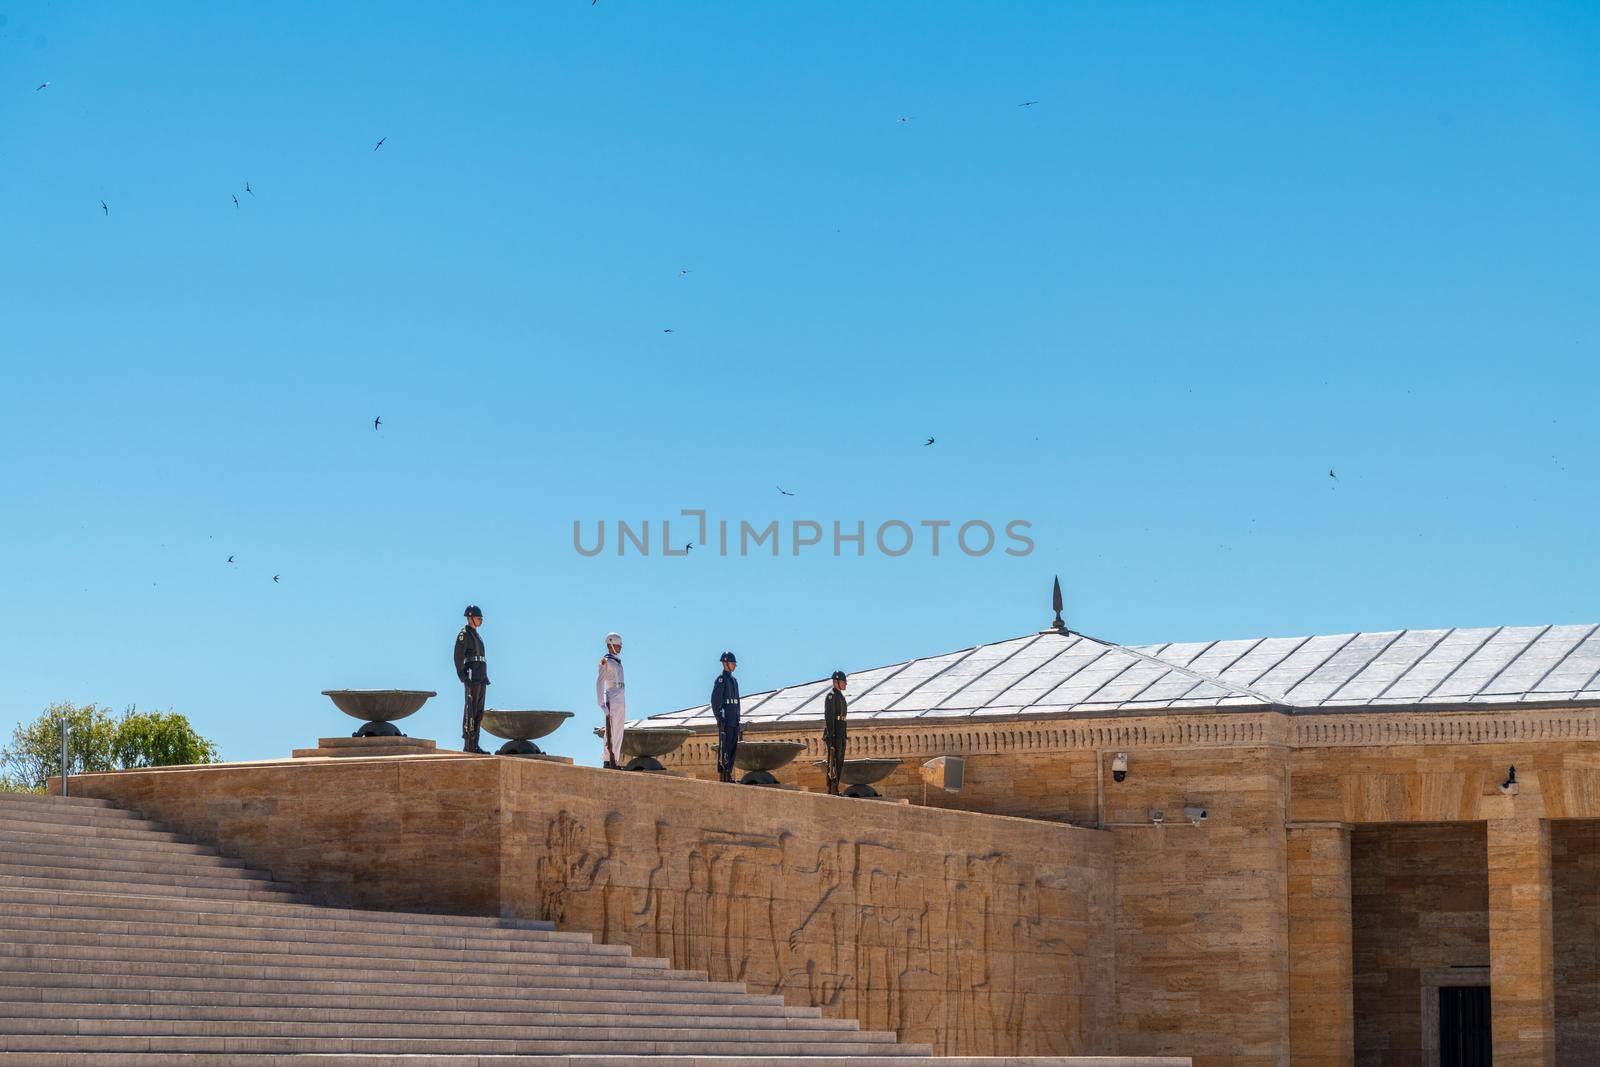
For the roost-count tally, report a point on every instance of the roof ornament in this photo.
(1059, 626)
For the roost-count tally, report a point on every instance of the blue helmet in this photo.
(473, 611)
(729, 657)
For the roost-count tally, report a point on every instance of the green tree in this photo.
(98, 741)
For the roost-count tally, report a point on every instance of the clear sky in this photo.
(1230, 248)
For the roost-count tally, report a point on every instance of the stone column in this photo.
(1321, 1004)
(1521, 952)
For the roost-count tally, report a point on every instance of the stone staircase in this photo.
(124, 944)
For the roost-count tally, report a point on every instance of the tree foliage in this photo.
(97, 740)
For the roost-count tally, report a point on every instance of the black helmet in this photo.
(473, 612)
(838, 676)
(729, 657)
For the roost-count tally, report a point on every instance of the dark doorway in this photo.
(1464, 1037)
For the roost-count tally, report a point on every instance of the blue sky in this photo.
(1231, 247)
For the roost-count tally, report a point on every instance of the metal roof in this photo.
(1056, 675)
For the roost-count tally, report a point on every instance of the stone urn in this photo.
(519, 729)
(857, 775)
(641, 745)
(379, 708)
(760, 758)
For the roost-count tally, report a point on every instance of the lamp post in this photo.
(63, 755)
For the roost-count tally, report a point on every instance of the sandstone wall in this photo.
(1575, 863)
(973, 933)
(1419, 902)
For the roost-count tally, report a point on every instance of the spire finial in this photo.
(1059, 625)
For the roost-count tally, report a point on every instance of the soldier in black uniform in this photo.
(834, 709)
(725, 706)
(473, 670)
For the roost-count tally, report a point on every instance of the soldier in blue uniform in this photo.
(725, 706)
(473, 670)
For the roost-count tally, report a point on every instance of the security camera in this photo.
(1119, 767)
(1158, 816)
(1195, 815)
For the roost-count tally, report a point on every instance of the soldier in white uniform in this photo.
(608, 692)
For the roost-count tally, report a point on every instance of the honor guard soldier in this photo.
(473, 670)
(725, 706)
(608, 690)
(834, 710)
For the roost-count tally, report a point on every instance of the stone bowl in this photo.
(519, 728)
(865, 771)
(378, 707)
(650, 741)
(523, 725)
(766, 755)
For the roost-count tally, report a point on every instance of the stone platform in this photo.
(336, 747)
(965, 934)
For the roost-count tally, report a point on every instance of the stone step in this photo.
(14, 823)
(240, 1059)
(245, 924)
(49, 800)
(410, 950)
(248, 981)
(30, 988)
(723, 1044)
(26, 877)
(15, 806)
(905, 1056)
(621, 1016)
(129, 843)
(327, 968)
(182, 906)
(68, 858)
(39, 845)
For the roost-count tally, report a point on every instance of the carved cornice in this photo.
(1455, 728)
(1203, 730)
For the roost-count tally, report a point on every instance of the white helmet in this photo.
(613, 638)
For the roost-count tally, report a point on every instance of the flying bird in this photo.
(379, 144)
(104, 208)
(1332, 475)
(230, 559)
(1027, 103)
(784, 491)
(682, 272)
(43, 85)
(235, 201)
(906, 118)
(928, 442)
(669, 331)
(249, 190)
(688, 547)
(377, 422)
(274, 577)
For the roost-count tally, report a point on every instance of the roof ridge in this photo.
(1242, 690)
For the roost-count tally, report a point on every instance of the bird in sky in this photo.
(379, 144)
(683, 272)
(669, 331)
(688, 547)
(230, 559)
(274, 577)
(235, 201)
(104, 208)
(1332, 475)
(249, 190)
(377, 422)
(928, 442)
(43, 85)
(1027, 103)
(784, 491)
(906, 118)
